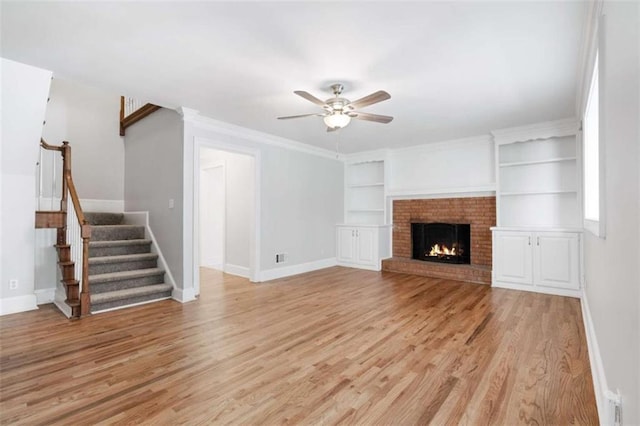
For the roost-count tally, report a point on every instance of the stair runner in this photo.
(122, 269)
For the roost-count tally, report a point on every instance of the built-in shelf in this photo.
(365, 192)
(530, 163)
(559, 191)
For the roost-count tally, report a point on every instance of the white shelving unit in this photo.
(537, 240)
(538, 183)
(365, 192)
(365, 238)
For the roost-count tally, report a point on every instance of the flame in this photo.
(442, 251)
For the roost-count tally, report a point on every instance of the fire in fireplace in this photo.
(441, 242)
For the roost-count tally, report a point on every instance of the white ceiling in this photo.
(453, 69)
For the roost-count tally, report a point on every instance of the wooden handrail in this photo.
(135, 116)
(45, 145)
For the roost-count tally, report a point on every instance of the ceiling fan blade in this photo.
(308, 96)
(373, 98)
(332, 129)
(371, 117)
(299, 116)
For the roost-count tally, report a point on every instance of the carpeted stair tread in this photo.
(125, 275)
(99, 218)
(117, 232)
(118, 247)
(119, 263)
(122, 258)
(129, 293)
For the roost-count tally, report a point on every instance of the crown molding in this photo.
(364, 156)
(193, 117)
(549, 129)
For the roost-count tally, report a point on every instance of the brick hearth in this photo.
(480, 212)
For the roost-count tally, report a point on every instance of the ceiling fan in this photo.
(338, 111)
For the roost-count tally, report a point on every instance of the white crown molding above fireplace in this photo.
(442, 192)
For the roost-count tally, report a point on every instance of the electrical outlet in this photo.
(171, 203)
(13, 284)
(281, 257)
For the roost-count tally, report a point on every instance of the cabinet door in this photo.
(346, 244)
(556, 262)
(366, 238)
(513, 262)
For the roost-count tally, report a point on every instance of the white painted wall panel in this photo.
(24, 98)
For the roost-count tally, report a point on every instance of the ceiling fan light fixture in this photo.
(337, 120)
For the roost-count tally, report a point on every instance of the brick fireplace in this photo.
(479, 212)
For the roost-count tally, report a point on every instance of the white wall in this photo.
(464, 163)
(212, 217)
(239, 194)
(89, 119)
(24, 99)
(612, 264)
(153, 176)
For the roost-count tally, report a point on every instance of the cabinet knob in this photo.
(529, 240)
(538, 241)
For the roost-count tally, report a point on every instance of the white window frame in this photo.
(595, 225)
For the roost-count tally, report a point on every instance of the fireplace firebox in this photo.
(441, 242)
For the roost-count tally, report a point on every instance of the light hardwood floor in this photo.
(333, 346)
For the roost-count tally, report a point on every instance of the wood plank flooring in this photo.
(337, 346)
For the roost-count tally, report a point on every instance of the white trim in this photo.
(102, 206)
(13, 305)
(377, 267)
(287, 271)
(459, 192)
(202, 122)
(183, 295)
(240, 271)
(597, 367)
(46, 295)
(546, 130)
(589, 44)
(538, 289)
(59, 300)
(366, 156)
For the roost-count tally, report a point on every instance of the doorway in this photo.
(225, 213)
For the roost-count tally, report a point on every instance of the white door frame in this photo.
(254, 232)
(205, 168)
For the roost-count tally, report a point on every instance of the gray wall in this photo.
(89, 119)
(153, 176)
(611, 264)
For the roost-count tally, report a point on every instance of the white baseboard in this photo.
(46, 295)
(534, 289)
(377, 267)
(240, 271)
(102, 206)
(287, 271)
(13, 305)
(606, 410)
(183, 295)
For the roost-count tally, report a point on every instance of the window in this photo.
(592, 156)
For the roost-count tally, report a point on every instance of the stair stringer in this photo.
(142, 219)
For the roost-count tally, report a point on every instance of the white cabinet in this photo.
(542, 261)
(362, 246)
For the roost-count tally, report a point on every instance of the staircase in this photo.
(122, 269)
